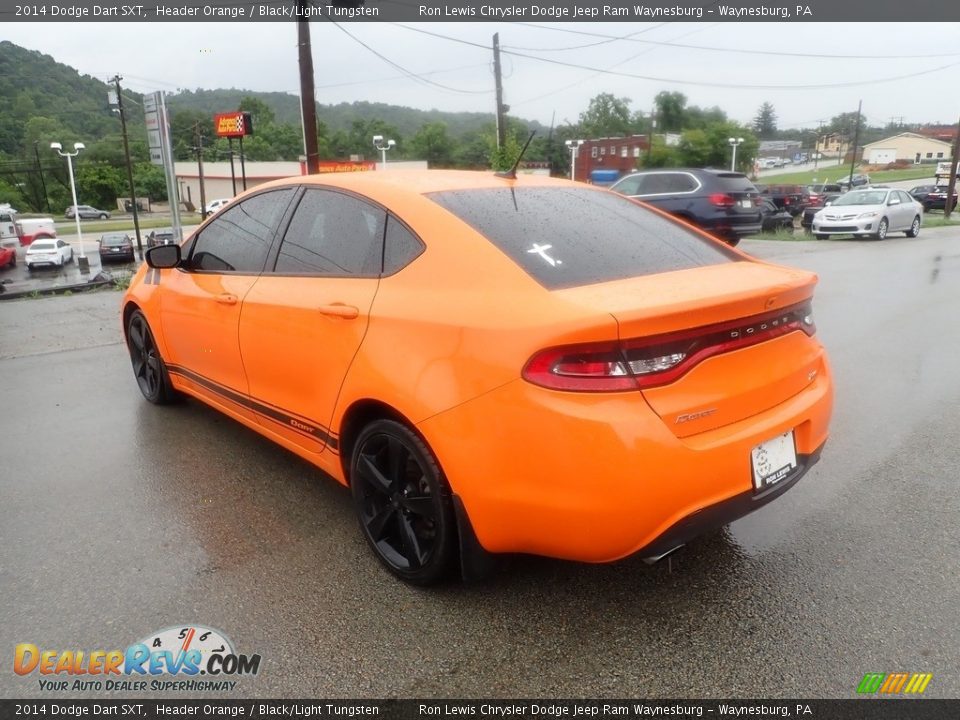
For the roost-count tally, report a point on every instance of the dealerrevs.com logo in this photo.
(188, 658)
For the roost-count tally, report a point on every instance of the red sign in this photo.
(233, 124)
(346, 166)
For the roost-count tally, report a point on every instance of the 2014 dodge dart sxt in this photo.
(492, 364)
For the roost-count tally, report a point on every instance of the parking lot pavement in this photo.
(120, 518)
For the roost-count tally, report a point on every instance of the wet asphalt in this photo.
(118, 519)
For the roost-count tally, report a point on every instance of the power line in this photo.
(737, 86)
(411, 75)
(743, 51)
(587, 45)
(590, 77)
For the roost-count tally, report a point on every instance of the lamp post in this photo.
(734, 142)
(574, 147)
(383, 146)
(82, 261)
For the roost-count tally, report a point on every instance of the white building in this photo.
(906, 146)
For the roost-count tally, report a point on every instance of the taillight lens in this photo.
(722, 200)
(640, 363)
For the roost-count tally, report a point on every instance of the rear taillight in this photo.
(640, 363)
(722, 200)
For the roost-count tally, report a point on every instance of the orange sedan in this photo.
(491, 364)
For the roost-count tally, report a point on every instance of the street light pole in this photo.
(574, 146)
(379, 144)
(734, 142)
(82, 261)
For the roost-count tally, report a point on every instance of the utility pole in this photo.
(43, 183)
(126, 151)
(952, 183)
(856, 143)
(308, 106)
(816, 144)
(501, 118)
(199, 148)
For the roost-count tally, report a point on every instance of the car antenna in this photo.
(511, 174)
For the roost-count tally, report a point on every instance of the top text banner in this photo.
(863, 12)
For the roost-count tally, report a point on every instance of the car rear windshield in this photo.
(43, 246)
(735, 182)
(114, 240)
(567, 237)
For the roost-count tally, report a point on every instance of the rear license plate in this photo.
(773, 460)
(746, 203)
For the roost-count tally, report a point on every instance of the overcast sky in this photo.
(168, 56)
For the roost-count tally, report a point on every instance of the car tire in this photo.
(103, 216)
(148, 367)
(403, 503)
(882, 228)
(914, 228)
(13, 260)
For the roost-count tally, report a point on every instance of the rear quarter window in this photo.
(567, 237)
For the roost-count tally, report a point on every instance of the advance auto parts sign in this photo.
(233, 124)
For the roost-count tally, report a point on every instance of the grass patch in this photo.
(833, 173)
(95, 227)
(941, 221)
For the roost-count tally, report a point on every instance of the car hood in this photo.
(849, 209)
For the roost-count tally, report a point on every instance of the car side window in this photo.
(894, 199)
(655, 183)
(903, 196)
(239, 238)
(630, 185)
(335, 234)
(402, 247)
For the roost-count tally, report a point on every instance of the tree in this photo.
(670, 110)
(606, 116)
(431, 143)
(765, 122)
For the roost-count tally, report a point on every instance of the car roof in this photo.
(391, 183)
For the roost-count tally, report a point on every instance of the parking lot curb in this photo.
(101, 279)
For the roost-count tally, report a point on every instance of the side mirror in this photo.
(828, 203)
(163, 256)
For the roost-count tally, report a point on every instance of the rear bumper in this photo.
(599, 477)
(723, 513)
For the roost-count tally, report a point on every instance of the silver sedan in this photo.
(869, 212)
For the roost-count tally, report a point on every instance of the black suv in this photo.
(724, 203)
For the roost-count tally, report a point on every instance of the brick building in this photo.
(623, 154)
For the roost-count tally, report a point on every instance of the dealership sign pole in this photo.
(161, 153)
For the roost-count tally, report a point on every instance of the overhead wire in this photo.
(697, 83)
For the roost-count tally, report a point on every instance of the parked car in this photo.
(775, 219)
(658, 383)
(723, 203)
(920, 192)
(825, 199)
(116, 246)
(8, 256)
(792, 198)
(937, 200)
(817, 193)
(855, 181)
(215, 205)
(163, 236)
(872, 212)
(48, 251)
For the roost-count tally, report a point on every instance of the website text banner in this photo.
(862, 12)
(860, 709)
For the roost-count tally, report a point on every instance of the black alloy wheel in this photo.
(148, 366)
(403, 503)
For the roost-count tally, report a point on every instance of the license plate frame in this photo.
(773, 460)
